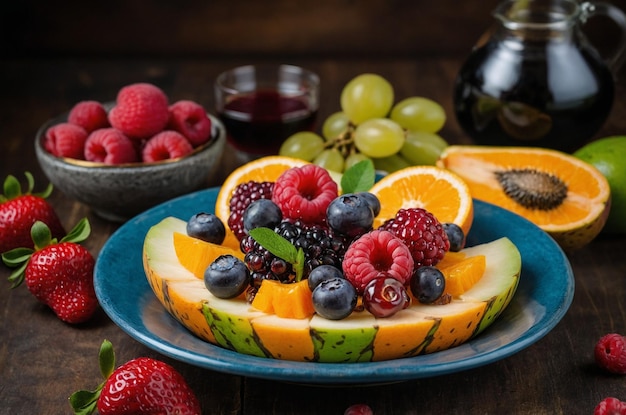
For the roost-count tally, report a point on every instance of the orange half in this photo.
(439, 191)
(573, 223)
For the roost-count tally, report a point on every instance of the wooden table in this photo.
(42, 360)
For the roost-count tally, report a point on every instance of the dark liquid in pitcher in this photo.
(258, 123)
(557, 97)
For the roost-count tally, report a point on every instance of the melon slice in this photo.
(236, 325)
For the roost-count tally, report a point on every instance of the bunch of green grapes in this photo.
(371, 126)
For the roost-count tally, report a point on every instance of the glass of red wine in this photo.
(262, 105)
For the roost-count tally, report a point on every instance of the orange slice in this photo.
(285, 300)
(462, 276)
(265, 169)
(441, 192)
(196, 255)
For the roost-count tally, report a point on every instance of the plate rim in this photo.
(235, 363)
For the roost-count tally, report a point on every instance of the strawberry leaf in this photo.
(106, 358)
(17, 276)
(359, 178)
(79, 233)
(40, 233)
(85, 402)
(12, 188)
(280, 247)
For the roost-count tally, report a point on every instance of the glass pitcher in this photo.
(535, 80)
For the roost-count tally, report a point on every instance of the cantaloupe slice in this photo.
(236, 325)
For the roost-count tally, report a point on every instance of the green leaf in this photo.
(84, 402)
(299, 265)
(79, 233)
(17, 256)
(17, 276)
(359, 177)
(106, 358)
(280, 247)
(11, 188)
(275, 243)
(40, 232)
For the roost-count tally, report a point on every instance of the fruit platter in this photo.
(151, 308)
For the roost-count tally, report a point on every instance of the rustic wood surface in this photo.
(42, 360)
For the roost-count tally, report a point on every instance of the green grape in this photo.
(391, 163)
(335, 125)
(419, 114)
(353, 159)
(378, 137)
(304, 145)
(421, 148)
(366, 96)
(330, 159)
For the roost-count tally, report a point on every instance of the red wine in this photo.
(557, 96)
(260, 121)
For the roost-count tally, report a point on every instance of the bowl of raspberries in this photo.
(123, 157)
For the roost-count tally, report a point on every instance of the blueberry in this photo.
(207, 227)
(226, 277)
(427, 284)
(350, 215)
(334, 299)
(371, 200)
(322, 273)
(456, 236)
(261, 213)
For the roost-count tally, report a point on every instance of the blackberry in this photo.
(320, 244)
(242, 196)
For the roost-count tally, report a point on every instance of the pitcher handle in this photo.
(594, 8)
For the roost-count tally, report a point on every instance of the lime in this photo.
(607, 155)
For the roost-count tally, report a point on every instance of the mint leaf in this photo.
(359, 178)
(280, 247)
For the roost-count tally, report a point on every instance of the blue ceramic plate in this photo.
(544, 294)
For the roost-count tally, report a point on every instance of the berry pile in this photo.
(299, 227)
(141, 127)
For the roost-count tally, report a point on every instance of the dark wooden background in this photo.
(218, 28)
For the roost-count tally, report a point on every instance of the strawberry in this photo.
(140, 386)
(19, 211)
(59, 274)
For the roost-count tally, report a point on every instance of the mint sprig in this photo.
(360, 177)
(280, 247)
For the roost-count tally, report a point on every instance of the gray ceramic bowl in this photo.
(117, 193)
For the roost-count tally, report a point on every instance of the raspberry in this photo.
(422, 233)
(90, 115)
(166, 145)
(377, 253)
(190, 119)
(66, 140)
(110, 146)
(610, 353)
(359, 409)
(242, 196)
(304, 193)
(610, 406)
(141, 111)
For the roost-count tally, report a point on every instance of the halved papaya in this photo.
(564, 196)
